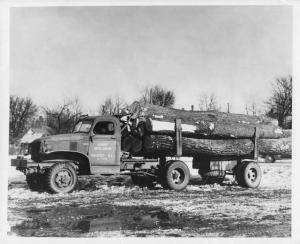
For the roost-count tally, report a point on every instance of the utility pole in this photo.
(228, 108)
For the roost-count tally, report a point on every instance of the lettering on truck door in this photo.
(103, 148)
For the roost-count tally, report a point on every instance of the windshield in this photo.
(83, 126)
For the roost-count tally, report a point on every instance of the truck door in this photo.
(104, 147)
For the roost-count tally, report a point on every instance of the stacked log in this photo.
(203, 124)
(272, 147)
(150, 129)
(165, 145)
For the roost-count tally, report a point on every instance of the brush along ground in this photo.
(112, 207)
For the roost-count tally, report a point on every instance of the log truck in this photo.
(94, 147)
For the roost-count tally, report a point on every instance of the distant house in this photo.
(31, 135)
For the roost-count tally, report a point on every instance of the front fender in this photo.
(83, 160)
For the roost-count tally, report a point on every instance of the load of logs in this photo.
(150, 130)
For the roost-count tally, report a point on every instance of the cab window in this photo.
(104, 128)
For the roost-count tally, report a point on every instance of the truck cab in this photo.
(103, 144)
(94, 147)
(94, 144)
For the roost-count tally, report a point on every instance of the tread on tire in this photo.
(248, 174)
(61, 178)
(176, 176)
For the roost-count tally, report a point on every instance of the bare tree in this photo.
(280, 103)
(208, 102)
(63, 117)
(158, 96)
(111, 106)
(22, 111)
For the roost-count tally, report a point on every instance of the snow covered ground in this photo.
(112, 206)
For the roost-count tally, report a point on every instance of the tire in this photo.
(176, 176)
(248, 174)
(162, 174)
(35, 181)
(135, 179)
(269, 159)
(61, 178)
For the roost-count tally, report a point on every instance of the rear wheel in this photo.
(269, 159)
(248, 174)
(61, 178)
(176, 176)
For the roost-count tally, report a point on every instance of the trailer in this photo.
(94, 147)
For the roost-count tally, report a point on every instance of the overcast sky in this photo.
(97, 52)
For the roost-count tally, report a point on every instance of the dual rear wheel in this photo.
(248, 174)
(174, 175)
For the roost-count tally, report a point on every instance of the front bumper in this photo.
(19, 162)
(28, 166)
(24, 165)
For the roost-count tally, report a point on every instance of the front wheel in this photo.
(176, 176)
(61, 178)
(248, 174)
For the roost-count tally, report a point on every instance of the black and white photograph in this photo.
(142, 121)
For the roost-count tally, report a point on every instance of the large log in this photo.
(151, 130)
(160, 112)
(166, 146)
(282, 147)
(214, 130)
(202, 124)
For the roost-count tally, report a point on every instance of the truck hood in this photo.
(65, 142)
(65, 137)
